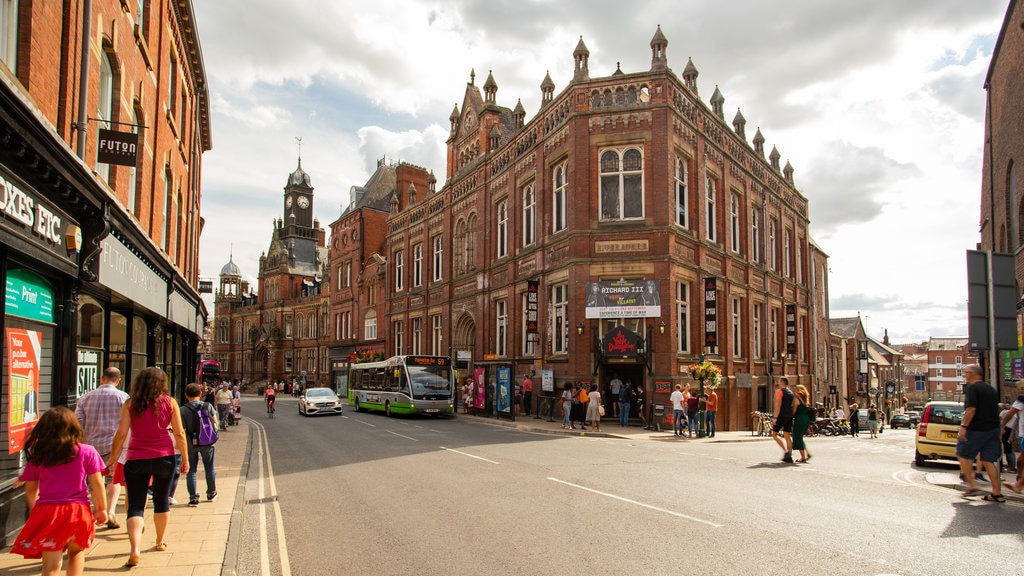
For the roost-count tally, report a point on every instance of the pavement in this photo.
(198, 538)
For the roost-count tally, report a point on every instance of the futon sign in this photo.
(118, 148)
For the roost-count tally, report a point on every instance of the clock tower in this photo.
(298, 199)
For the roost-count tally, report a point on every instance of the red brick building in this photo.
(626, 180)
(100, 236)
(281, 331)
(1002, 183)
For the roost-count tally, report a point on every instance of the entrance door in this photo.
(631, 374)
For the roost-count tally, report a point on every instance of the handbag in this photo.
(600, 410)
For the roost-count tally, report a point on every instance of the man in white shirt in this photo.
(838, 413)
(678, 412)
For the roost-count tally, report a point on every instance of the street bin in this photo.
(659, 413)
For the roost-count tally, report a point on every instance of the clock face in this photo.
(288, 201)
(303, 202)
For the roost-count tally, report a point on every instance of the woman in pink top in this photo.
(148, 414)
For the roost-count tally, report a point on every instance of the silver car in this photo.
(319, 401)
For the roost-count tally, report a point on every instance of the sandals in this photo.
(994, 498)
(161, 547)
(1012, 487)
(133, 560)
(971, 492)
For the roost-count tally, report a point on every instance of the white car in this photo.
(319, 401)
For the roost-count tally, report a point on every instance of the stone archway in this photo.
(464, 334)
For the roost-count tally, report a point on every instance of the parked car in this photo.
(900, 421)
(319, 401)
(936, 434)
(915, 417)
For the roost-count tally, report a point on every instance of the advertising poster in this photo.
(24, 348)
(504, 374)
(479, 392)
(623, 299)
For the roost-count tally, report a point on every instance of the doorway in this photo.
(631, 374)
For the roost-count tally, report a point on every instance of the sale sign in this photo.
(24, 348)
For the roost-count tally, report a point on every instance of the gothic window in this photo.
(560, 186)
(622, 189)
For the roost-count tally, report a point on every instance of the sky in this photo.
(878, 105)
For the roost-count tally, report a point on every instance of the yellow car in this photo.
(936, 435)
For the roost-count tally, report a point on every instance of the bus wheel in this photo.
(387, 409)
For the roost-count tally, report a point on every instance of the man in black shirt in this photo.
(979, 433)
(784, 419)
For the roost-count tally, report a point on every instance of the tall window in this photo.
(712, 212)
(502, 229)
(559, 218)
(399, 270)
(560, 319)
(9, 33)
(773, 331)
(786, 255)
(140, 16)
(501, 335)
(755, 235)
(756, 325)
(417, 336)
(529, 214)
(399, 337)
(438, 257)
(682, 317)
(773, 262)
(172, 85)
(682, 194)
(298, 325)
(527, 338)
(737, 340)
(105, 109)
(133, 172)
(436, 337)
(417, 265)
(622, 184)
(734, 222)
(165, 230)
(370, 326)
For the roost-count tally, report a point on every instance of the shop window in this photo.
(90, 322)
(140, 358)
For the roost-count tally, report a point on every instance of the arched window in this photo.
(105, 99)
(298, 326)
(622, 190)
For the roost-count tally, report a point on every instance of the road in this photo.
(366, 494)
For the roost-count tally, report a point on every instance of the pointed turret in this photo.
(787, 172)
(547, 89)
(739, 123)
(718, 103)
(659, 59)
(581, 70)
(454, 118)
(518, 113)
(690, 75)
(774, 158)
(490, 89)
(759, 142)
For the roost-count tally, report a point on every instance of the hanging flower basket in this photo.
(707, 372)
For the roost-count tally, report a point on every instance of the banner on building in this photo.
(710, 312)
(532, 286)
(624, 299)
(118, 148)
(24, 348)
(790, 329)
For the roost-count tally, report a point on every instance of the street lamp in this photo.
(579, 328)
(661, 327)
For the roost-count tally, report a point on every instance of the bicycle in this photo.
(762, 424)
(270, 407)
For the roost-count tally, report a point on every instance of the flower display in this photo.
(707, 372)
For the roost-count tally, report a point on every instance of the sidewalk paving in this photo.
(197, 538)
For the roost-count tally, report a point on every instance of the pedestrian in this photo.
(801, 421)
(594, 407)
(60, 474)
(616, 388)
(518, 396)
(148, 414)
(691, 412)
(98, 412)
(223, 399)
(854, 420)
(784, 419)
(528, 393)
(583, 398)
(979, 433)
(640, 404)
(190, 421)
(566, 405)
(1014, 418)
(678, 414)
(625, 403)
(711, 408)
(873, 421)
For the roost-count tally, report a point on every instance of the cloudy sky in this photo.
(878, 105)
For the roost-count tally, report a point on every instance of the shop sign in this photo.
(711, 312)
(791, 329)
(117, 148)
(88, 370)
(622, 342)
(32, 216)
(24, 348)
(126, 273)
(28, 296)
(532, 287)
(181, 311)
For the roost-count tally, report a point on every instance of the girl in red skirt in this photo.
(60, 474)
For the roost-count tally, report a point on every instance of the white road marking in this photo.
(470, 455)
(282, 546)
(403, 436)
(629, 501)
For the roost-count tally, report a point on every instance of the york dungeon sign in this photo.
(621, 342)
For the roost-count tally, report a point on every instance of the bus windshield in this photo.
(430, 382)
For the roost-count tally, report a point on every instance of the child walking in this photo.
(60, 475)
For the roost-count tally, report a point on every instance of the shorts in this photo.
(984, 442)
(783, 425)
(119, 474)
(51, 527)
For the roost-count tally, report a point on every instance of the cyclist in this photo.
(270, 397)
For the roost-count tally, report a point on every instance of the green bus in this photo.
(403, 385)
